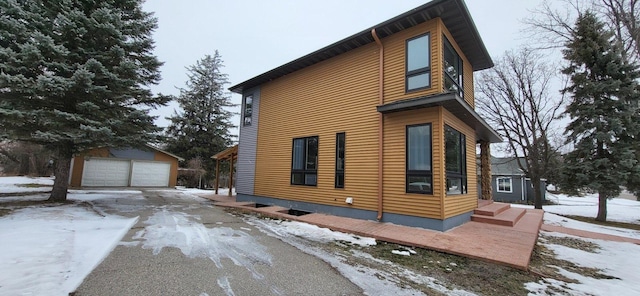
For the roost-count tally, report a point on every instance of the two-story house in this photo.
(380, 125)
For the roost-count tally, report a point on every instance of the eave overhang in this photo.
(452, 102)
(454, 15)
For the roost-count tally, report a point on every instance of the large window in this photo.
(418, 75)
(452, 69)
(456, 164)
(419, 172)
(504, 184)
(340, 145)
(248, 110)
(304, 162)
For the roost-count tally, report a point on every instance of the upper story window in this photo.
(452, 69)
(418, 75)
(419, 173)
(455, 161)
(304, 161)
(248, 110)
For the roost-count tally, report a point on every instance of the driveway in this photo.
(182, 245)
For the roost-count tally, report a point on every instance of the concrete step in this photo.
(493, 209)
(508, 217)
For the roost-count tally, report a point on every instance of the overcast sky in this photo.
(255, 36)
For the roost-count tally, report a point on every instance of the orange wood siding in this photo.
(395, 62)
(396, 200)
(78, 164)
(458, 204)
(337, 95)
(467, 70)
(173, 174)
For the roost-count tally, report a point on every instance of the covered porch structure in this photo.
(231, 155)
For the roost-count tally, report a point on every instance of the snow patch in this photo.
(315, 233)
(403, 253)
(50, 250)
(179, 230)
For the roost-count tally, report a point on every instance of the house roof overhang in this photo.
(452, 102)
(453, 13)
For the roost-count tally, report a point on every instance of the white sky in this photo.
(255, 36)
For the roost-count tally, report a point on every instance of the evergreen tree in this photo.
(604, 112)
(201, 129)
(73, 75)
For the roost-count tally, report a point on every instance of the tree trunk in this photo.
(537, 193)
(61, 172)
(602, 208)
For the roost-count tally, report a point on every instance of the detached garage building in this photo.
(123, 167)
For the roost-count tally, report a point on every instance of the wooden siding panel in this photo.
(395, 62)
(337, 95)
(396, 200)
(458, 204)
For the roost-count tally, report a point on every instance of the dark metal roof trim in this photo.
(454, 15)
(452, 102)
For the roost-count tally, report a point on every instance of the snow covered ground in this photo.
(49, 249)
(24, 184)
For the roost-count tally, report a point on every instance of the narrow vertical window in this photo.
(248, 110)
(418, 68)
(455, 161)
(340, 146)
(304, 161)
(453, 70)
(419, 173)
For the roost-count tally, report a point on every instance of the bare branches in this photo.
(514, 98)
(552, 25)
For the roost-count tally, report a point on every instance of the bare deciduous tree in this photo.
(514, 98)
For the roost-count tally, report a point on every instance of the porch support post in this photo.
(485, 170)
(217, 175)
(230, 174)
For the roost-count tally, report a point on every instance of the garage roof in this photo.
(454, 14)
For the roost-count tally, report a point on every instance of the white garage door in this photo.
(151, 174)
(105, 172)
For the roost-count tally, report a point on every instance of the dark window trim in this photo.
(246, 115)
(304, 171)
(417, 71)
(418, 173)
(463, 164)
(460, 84)
(340, 172)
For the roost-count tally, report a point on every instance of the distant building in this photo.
(509, 182)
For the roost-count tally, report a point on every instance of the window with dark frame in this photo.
(248, 110)
(304, 161)
(504, 184)
(418, 63)
(418, 153)
(340, 147)
(453, 70)
(455, 161)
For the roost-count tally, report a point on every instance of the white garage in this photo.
(109, 172)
